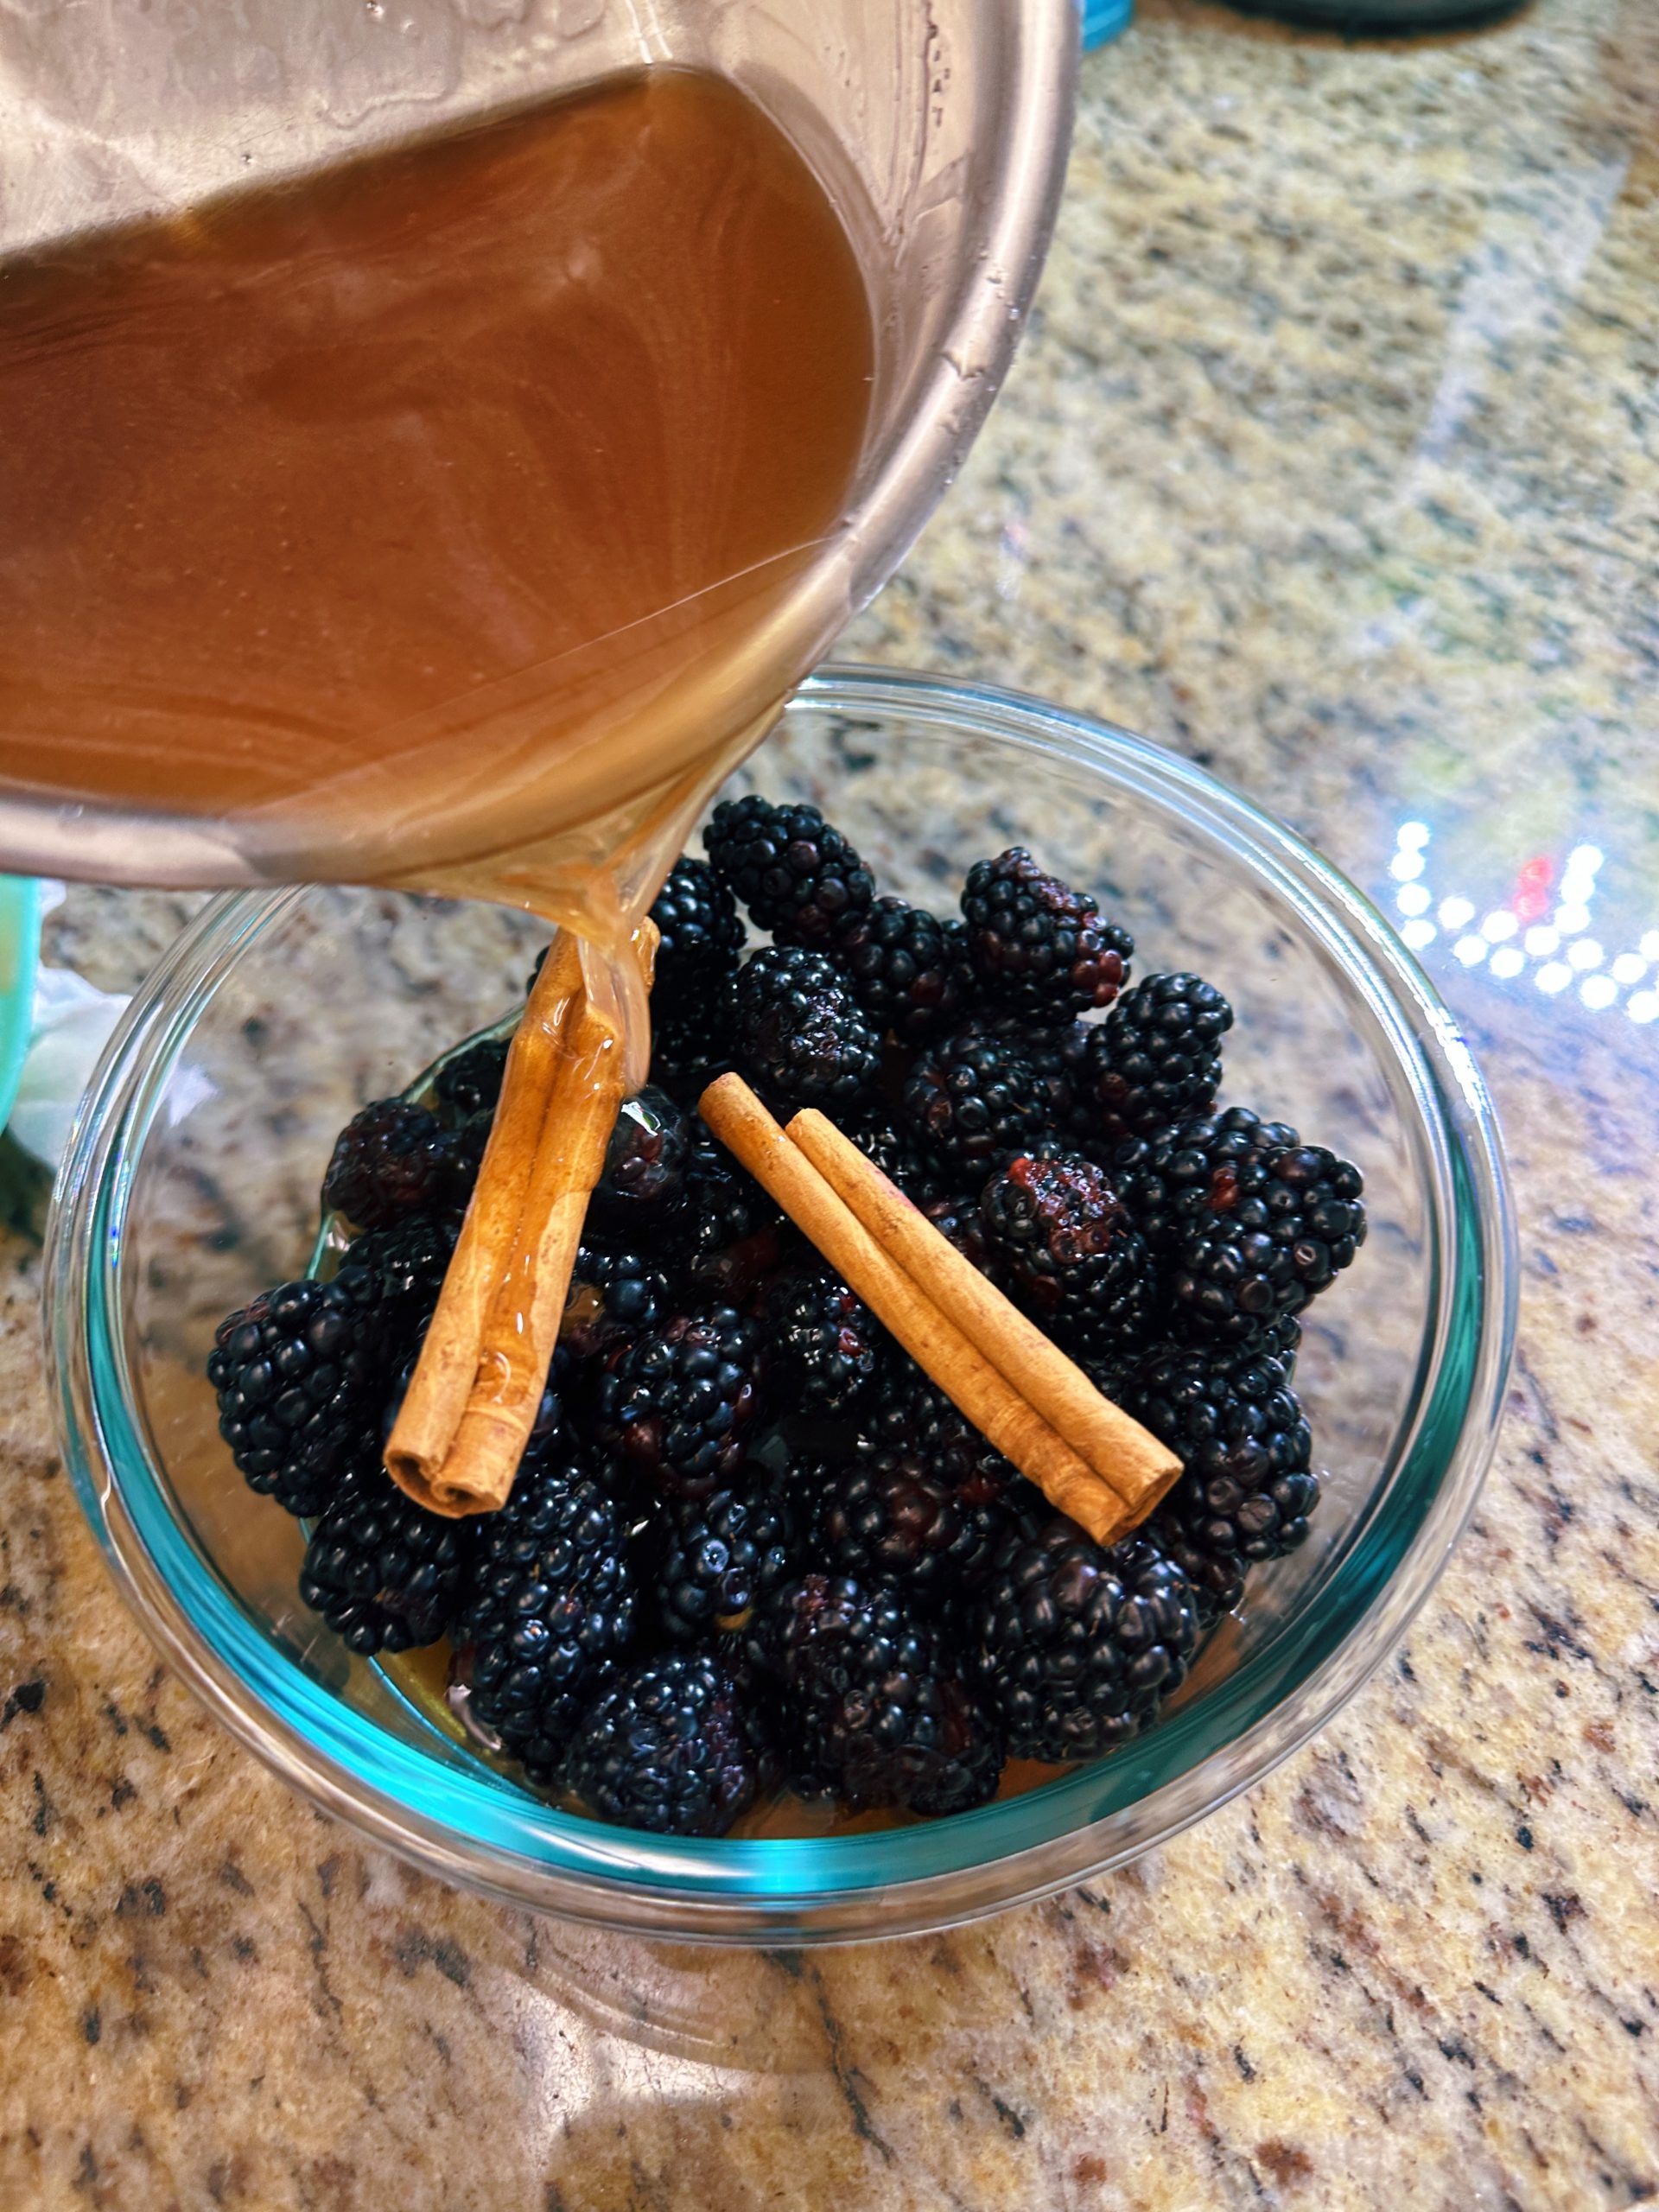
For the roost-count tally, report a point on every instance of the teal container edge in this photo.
(1105, 19)
(20, 948)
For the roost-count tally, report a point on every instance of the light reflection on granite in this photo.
(1331, 461)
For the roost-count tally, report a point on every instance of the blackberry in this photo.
(1076, 1646)
(1062, 1241)
(958, 1219)
(910, 971)
(800, 1034)
(917, 1419)
(691, 1044)
(1154, 1062)
(469, 1082)
(980, 1093)
(550, 1602)
(402, 1268)
(828, 1345)
(886, 1519)
(799, 878)
(384, 1573)
(299, 1375)
(1280, 1231)
(667, 1746)
(1167, 1180)
(645, 1163)
(677, 1403)
(715, 1562)
(882, 1716)
(614, 1296)
(699, 934)
(1039, 948)
(1247, 1489)
(722, 1232)
(391, 1160)
(902, 1156)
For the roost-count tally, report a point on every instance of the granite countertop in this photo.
(1331, 461)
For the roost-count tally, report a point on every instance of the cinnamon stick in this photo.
(430, 1415)
(1123, 1453)
(743, 1125)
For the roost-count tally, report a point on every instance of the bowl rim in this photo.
(469, 1826)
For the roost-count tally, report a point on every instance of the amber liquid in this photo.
(421, 509)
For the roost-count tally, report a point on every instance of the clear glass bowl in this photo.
(192, 1180)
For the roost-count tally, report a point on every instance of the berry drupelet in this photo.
(385, 1574)
(300, 1374)
(887, 1520)
(550, 1601)
(714, 1563)
(1076, 1646)
(979, 1094)
(801, 1036)
(1248, 1488)
(881, 1717)
(667, 1746)
(1155, 1061)
(677, 1403)
(909, 970)
(391, 1160)
(797, 877)
(1061, 1240)
(827, 1345)
(1040, 949)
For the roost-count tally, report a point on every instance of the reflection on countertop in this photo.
(1333, 460)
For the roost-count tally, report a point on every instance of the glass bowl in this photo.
(191, 1183)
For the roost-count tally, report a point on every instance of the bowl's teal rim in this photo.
(453, 1817)
(20, 953)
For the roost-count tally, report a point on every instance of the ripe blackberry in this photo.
(910, 971)
(722, 1233)
(1167, 1180)
(1155, 1061)
(402, 1268)
(645, 1163)
(469, 1082)
(799, 878)
(881, 1715)
(714, 1563)
(1075, 1646)
(614, 1296)
(667, 1746)
(677, 1403)
(1061, 1240)
(391, 1160)
(957, 1218)
(700, 938)
(300, 1374)
(1282, 1233)
(887, 1520)
(1248, 1487)
(550, 1602)
(979, 1094)
(920, 1172)
(384, 1573)
(800, 1034)
(828, 1346)
(1039, 948)
(916, 1418)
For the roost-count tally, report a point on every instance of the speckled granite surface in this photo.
(1331, 460)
